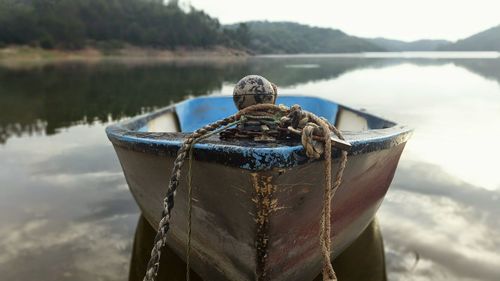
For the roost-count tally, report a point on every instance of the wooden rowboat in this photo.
(256, 206)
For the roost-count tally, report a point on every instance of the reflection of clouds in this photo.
(401, 265)
(48, 250)
(82, 159)
(424, 178)
(453, 111)
(65, 210)
(119, 206)
(69, 169)
(452, 226)
(90, 180)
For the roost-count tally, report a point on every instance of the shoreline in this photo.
(23, 55)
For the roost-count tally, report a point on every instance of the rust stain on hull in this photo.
(265, 205)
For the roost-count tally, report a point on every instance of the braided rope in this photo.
(168, 202)
(190, 211)
(325, 224)
(308, 140)
(190, 188)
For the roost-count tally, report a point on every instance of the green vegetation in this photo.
(287, 37)
(73, 24)
(109, 25)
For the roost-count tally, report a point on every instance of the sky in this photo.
(395, 19)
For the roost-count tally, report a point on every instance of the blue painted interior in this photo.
(196, 113)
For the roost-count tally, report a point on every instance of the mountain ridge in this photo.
(487, 40)
(287, 37)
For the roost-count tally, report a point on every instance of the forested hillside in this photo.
(72, 24)
(111, 24)
(289, 38)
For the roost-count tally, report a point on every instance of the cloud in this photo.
(42, 249)
(452, 227)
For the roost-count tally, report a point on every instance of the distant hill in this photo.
(263, 37)
(402, 46)
(488, 40)
(290, 38)
(161, 24)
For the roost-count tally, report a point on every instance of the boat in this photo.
(363, 260)
(235, 182)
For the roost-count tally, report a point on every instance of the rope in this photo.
(190, 188)
(294, 118)
(190, 209)
(168, 202)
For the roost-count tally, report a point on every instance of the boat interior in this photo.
(192, 114)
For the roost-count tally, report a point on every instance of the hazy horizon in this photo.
(391, 19)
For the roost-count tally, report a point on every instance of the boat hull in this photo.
(260, 225)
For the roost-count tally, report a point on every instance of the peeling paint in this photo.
(244, 154)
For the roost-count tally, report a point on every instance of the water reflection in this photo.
(454, 227)
(45, 98)
(363, 260)
(66, 212)
(50, 97)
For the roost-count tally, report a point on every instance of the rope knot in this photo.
(314, 148)
(298, 118)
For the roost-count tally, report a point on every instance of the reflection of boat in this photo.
(231, 180)
(363, 260)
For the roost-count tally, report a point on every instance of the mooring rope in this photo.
(190, 188)
(308, 124)
(190, 210)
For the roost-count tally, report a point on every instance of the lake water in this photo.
(66, 212)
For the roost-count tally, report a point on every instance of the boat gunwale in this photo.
(264, 156)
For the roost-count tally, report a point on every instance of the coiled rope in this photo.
(314, 131)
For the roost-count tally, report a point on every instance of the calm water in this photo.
(66, 213)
